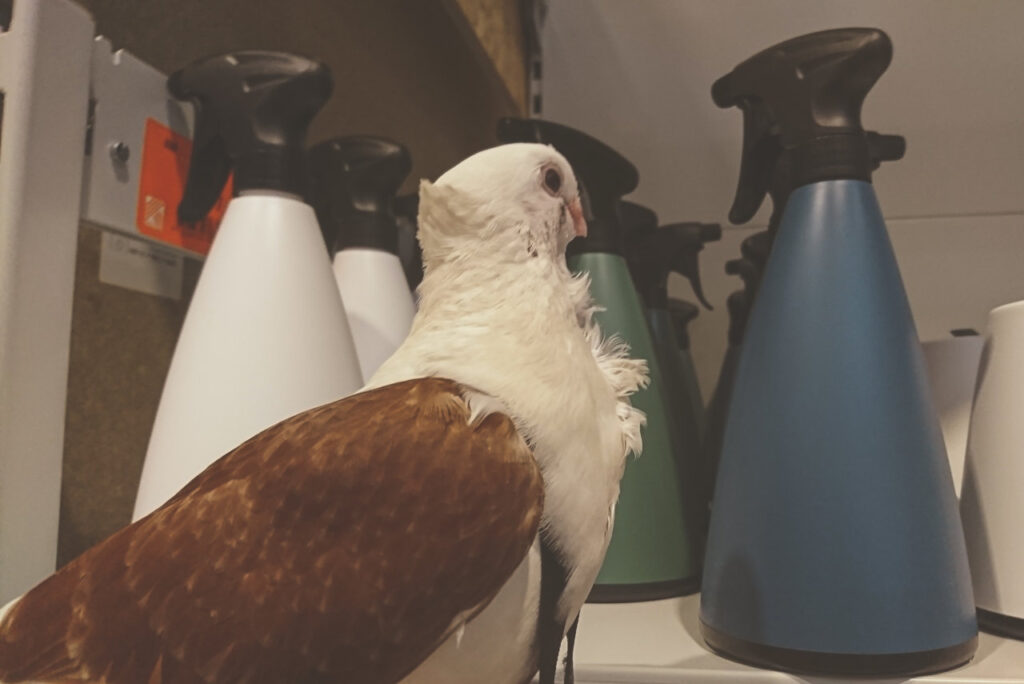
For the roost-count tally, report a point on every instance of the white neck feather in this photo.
(504, 316)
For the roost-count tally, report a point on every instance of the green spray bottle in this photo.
(655, 253)
(653, 552)
(674, 248)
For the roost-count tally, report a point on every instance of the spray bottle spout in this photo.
(603, 174)
(352, 187)
(657, 252)
(684, 242)
(252, 112)
(884, 148)
(801, 99)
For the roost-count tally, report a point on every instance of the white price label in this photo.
(140, 265)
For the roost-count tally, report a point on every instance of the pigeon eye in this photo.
(552, 181)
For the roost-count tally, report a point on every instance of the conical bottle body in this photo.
(694, 396)
(834, 542)
(682, 399)
(714, 420)
(265, 337)
(652, 552)
(378, 303)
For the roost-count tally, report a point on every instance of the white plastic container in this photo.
(265, 337)
(378, 302)
(266, 334)
(992, 500)
(952, 373)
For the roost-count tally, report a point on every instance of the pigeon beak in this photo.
(578, 222)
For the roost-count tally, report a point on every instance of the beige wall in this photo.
(638, 75)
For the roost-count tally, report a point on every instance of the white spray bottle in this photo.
(990, 499)
(354, 181)
(266, 334)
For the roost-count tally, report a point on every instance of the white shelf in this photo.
(659, 642)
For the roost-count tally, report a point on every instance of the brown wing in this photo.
(336, 546)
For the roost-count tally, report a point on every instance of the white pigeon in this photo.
(444, 525)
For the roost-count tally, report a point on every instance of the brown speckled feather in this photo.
(336, 546)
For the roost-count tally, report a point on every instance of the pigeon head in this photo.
(509, 203)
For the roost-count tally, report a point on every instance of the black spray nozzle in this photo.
(884, 148)
(880, 148)
(759, 166)
(802, 99)
(639, 221)
(406, 209)
(675, 247)
(353, 181)
(747, 270)
(603, 174)
(252, 112)
(684, 241)
(757, 247)
(682, 314)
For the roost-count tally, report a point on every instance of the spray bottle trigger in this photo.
(686, 264)
(208, 168)
(253, 108)
(761, 151)
(678, 246)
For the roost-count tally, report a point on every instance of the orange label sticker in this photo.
(165, 157)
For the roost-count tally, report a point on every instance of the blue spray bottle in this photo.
(737, 305)
(755, 251)
(834, 543)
